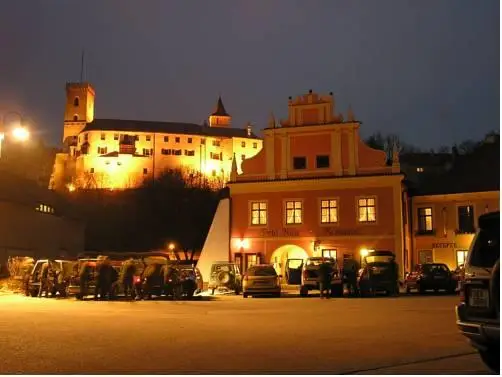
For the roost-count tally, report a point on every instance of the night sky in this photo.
(427, 70)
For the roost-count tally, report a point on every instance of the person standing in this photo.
(325, 272)
(44, 280)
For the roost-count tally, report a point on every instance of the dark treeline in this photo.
(169, 209)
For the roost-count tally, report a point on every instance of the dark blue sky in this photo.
(427, 70)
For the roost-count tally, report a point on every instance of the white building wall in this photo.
(217, 245)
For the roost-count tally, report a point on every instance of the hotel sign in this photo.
(444, 245)
(284, 232)
(341, 232)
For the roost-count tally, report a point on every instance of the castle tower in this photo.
(220, 117)
(79, 108)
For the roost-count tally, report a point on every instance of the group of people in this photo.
(349, 277)
(51, 280)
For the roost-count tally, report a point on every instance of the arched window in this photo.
(76, 102)
(75, 118)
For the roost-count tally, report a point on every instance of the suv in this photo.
(310, 276)
(225, 275)
(379, 273)
(433, 276)
(478, 314)
(64, 268)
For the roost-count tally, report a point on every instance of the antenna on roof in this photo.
(82, 66)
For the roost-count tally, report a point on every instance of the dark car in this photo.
(431, 276)
(379, 273)
(191, 280)
(59, 276)
(478, 314)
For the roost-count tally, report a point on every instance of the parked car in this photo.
(59, 281)
(431, 276)
(478, 314)
(310, 276)
(261, 279)
(225, 275)
(379, 273)
(191, 280)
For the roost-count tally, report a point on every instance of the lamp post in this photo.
(18, 132)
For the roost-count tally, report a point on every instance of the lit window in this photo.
(255, 145)
(425, 219)
(294, 212)
(148, 137)
(243, 144)
(115, 136)
(329, 211)
(203, 141)
(166, 139)
(103, 136)
(461, 257)
(258, 213)
(146, 152)
(329, 253)
(176, 139)
(367, 210)
(189, 140)
(420, 170)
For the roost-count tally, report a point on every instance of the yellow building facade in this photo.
(122, 154)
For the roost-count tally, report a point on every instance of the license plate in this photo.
(478, 298)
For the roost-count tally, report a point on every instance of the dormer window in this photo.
(76, 102)
(75, 118)
(420, 170)
(299, 163)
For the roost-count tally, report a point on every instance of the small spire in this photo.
(350, 114)
(271, 120)
(249, 128)
(220, 109)
(233, 172)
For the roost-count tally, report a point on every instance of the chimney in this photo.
(249, 129)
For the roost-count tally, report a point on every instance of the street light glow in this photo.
(171, 246)
(21, 133)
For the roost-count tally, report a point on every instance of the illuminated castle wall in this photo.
(121, 154)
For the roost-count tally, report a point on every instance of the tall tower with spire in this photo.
(220, 117)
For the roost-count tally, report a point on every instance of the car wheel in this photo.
(237, 291)
(304, 292)
(245, 295)
(491, 358)
(421, 289)
(33, 293)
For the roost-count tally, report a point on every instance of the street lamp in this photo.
(18, 132)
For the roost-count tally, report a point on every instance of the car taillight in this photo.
(137, 279)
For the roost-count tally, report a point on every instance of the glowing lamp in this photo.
(171, 246)
(21, 133)
(71, 187)
(364, 253)
(243, 244)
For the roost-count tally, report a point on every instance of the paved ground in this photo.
(230, 334)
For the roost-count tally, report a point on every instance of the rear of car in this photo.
(431, 276)
(478, 314)
(310, 276)
(226, 276)
(261, 279)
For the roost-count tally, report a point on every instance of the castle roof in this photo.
(220, 109)
(165, 127)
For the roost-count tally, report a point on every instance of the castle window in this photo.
(243, 157)
(322, 162)
(91, 171)
(216, 143)
(203, 141)
(146, 151)
(420, 170)
(76, 102)
(44, 208)
(75, 118)
(299, 163)
(259, 213)
(214, 156)
(243, 144)
(367, 210)
(425, 220)
(255, 145)
(177, 152)
(102, 150)
(166, 152)
(103, 136)
(145, 171)
(294, 212)
(189, 140)
(115, 136)
(329, 211)
(189, 153)
(148, 137)
(166, 139)
(176, 139)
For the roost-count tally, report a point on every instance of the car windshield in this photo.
(379, 258)
(319, 261)
(261, 271)
(485, 248)
(435, 268)
(222, 267)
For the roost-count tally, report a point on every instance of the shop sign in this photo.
(341, 232)
(444, 245)
(284, 232)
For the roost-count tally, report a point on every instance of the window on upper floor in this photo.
(329, 211)
(166, 152)
(294, 212)
(166, 139)
(45, 208)
(103, 136)
(461, 257)
(299, 163)
(203, 141)
(177, 139)
(148, 137)
(177, 152)
(466, 219)
(189, 152)
(425, 220)
(76, 102)
(259, 213)
(243, 144)
(366, 210)
(189, 140)
(145, 171)
(102, 150)
(75, 118)
(255, 145)
(214, 156)
(322, 161)
(420, 170)
(243, 157)
(115, 136)
(216, 143)
(146, 151)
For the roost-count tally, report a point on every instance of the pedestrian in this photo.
(325, 272)
(84, 279)
(126, 278)
(44, 280)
